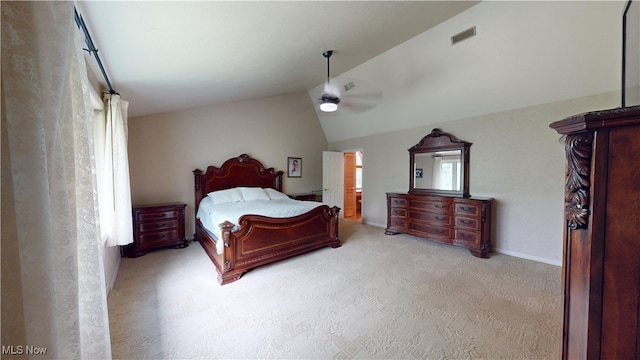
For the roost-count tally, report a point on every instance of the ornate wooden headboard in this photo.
(239, 171)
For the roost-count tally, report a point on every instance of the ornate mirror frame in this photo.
(438, 141)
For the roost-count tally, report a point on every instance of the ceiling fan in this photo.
(331, 97)
(354, 95)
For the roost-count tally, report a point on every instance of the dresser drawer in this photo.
(157, 215)
(397, 202)
(398, 212)
(438, 219)
(398, 223)
(467, 208)
(435, 231)
(158, 225)
(468, 223)
(438, 206)
(467, 236)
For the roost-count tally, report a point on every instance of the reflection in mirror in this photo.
(439, 165)
(439, 170)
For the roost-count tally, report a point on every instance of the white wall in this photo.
(525, 53)
(164, 149)
(515, 158)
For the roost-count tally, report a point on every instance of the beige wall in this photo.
(164, 149)
(515, 158)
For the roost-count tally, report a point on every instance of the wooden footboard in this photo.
(262, 240)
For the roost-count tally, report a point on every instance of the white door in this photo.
(333, 179)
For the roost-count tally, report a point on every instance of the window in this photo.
(449, 170)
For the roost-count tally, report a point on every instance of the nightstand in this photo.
(312, 196)
(156, 226)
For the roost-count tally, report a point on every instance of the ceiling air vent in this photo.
(464, 35)
(348, 86)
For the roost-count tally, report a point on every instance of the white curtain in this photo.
(115, 189)
(51, 249)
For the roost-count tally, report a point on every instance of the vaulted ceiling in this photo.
(165, 56)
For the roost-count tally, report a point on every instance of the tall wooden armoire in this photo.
(601, 259)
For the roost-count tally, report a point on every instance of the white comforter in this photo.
(213, 215)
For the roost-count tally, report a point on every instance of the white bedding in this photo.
(211, 215)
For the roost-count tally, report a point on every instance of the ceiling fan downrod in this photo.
(327, 54)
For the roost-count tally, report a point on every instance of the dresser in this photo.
(438, 206)
(156, 226)
(464, 222)
(601, 257)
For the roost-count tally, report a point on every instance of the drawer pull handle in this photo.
(440, 218)
(465, 208)
(440, 206)
(466, 222)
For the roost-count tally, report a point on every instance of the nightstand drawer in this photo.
(158, 225)
(159, 237)
(147, 216)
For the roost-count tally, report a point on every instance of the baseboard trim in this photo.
(500, 251)
(374, 224)
(529, 257)
(114, 276)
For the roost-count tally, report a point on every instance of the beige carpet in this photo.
(376, 297)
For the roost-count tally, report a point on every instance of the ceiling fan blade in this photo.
(358, 95)
(332, 89)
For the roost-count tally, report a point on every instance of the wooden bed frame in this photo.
(260, 240)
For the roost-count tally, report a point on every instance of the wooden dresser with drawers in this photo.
(156, 226)
(459, 221)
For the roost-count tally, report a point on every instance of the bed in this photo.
(257, 240)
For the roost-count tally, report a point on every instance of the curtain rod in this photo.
(624, 51)
(91, 48)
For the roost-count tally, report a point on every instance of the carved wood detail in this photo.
(578, 150)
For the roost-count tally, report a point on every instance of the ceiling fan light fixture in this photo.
(329, 104)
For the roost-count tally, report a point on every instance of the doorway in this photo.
(353, 185)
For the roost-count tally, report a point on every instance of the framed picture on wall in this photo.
(294, 168)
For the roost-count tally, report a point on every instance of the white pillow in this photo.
(254, 193)
(226, 196)
(275, 194)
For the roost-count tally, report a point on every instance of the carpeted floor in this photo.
(376, 297)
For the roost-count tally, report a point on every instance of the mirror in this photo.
(439, 165)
